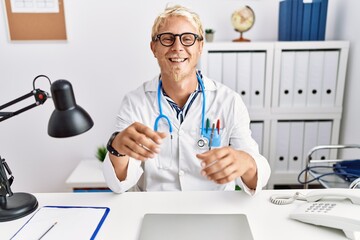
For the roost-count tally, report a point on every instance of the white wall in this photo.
(106, 55)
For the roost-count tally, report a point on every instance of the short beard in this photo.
(177, 75)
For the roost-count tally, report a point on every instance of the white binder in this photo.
(296, 146)
(331, 62)
(257, 133)
(229, 70)
(324, 138)
(300, 78)
(282, 146)
(215, 66)
(287, 79)
(316, 65)
(310, 138)
(258, 79)
(244, 76)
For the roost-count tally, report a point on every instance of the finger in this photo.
(149, 133)
(227, 179)
(216, 166)
(224, 173)
(130, 148)
(208, 158)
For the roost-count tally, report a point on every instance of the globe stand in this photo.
(241, 39)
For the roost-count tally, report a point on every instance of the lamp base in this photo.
(17, 206)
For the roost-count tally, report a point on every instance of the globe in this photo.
(242, 20)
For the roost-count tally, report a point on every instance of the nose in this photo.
(177, 44)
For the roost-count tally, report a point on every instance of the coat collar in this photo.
(152, 86)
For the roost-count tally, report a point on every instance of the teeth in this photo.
(177, 59)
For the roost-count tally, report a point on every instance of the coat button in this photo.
(181, 132)
(181, 173)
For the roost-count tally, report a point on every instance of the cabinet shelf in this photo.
(286, 86)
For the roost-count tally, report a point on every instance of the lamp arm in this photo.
(5, 182)
(40, 98)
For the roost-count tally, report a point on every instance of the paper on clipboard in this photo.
(72, 222)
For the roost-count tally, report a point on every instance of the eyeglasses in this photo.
(168, 39)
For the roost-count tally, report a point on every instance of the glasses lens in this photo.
(167, 39)
(188, 39)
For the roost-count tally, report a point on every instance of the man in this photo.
(161, 142)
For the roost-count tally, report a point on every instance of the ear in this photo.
(201, 45)
(153, 48)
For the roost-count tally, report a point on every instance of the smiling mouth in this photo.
(177, 60)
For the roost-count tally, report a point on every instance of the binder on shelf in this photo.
(282, 146)
(324, 138)
(258, 64)
(244, 76)
(300, 78)
(310, 138)
(316, 65)
(229, 70)
(215, 66)
(306, 23)
(63, 222)
(322, 19)
(315, 17)
(285, 9)
(296, 146)
(257, 132)
(299, 21)
(294, 19)
(331, 62)
(287, 78)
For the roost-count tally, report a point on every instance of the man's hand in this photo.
(223, 165)
(138, 141)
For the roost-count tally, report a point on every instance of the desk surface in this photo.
(267, 221)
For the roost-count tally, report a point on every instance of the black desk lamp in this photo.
(68, 119)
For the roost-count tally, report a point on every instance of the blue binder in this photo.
(306, 21)
(294, 19)
(315, 17)
(299, 22)
(285, 20)
(322, 19)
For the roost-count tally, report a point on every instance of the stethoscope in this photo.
(203, 141)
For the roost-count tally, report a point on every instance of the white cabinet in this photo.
(294, 94)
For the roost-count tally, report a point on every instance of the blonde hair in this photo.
(177, 10)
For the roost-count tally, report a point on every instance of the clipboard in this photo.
(63, 222)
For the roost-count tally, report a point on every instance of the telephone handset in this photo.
(335, 208)
(353, 195)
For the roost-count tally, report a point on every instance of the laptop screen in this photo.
(195, 226)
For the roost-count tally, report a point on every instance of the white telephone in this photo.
(335, 208)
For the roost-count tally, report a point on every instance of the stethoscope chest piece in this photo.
(202, 143)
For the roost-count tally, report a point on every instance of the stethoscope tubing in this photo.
(161, 115)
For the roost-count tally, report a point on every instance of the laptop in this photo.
(195, 227)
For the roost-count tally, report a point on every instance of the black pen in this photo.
(47, 231)
(211, 136)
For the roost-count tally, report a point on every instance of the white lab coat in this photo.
(184, 170)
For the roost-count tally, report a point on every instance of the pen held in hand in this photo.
(211, 136)
(47, 230)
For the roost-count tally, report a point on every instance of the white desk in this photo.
(267, 221)
(86, 176)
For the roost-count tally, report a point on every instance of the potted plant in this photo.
(101, 153)
(209, 34)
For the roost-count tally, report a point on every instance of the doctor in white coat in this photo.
(182, 131)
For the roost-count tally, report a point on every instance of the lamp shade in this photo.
(68, 119)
